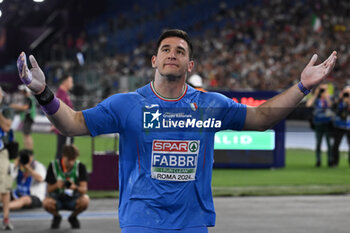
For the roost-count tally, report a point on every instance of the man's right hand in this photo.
(60, 184)
(34, 78)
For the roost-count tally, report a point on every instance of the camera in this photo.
(24, 156)
(320, 92)
(67, 183)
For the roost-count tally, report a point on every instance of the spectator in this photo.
(322, 116)
(196, 82)
(67, 187)
(66, 84)
(341, 123)
(5, 168)
(31, 188)
(28, 112)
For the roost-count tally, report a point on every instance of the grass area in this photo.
(299, 176)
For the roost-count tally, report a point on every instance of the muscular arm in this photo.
(272, 111)
(68, 121)
(65, 119)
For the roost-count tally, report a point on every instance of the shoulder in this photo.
(120, 100)
(81, 165)
(39, 165)
(214, 98)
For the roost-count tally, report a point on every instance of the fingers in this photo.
(23, 71)
(313, 60)
(33, 62)
(21, 64)
(330, 62)
(331, 59)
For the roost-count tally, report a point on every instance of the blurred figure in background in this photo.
(322, 116)
(6, 116)
(66, 187)
(196, 82)
(66, 84)
(31, 188)
(341, 123)
(28, 112)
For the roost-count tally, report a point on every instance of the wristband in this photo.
(52, 107)
(303, 89)
(48, 101)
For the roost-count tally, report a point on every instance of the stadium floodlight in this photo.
(1, 1)
(36, 0)
(0, 13)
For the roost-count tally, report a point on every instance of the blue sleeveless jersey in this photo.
(166, 149)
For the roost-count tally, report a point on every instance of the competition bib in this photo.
(174, 160)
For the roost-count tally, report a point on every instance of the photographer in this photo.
(31, 188)
(341, 122)
(321, 118)
(67, 187)
(28, 112)
(6, 116)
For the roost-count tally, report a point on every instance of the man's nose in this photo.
(172, 55)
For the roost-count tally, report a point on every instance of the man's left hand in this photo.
(313, 75)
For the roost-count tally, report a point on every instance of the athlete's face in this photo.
(172, 59)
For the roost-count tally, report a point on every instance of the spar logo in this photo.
(193, 146)
(175, 146)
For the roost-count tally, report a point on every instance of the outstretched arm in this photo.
(275, 109)
(65, 119)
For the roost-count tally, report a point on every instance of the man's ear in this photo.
(153, 61)
(190, 66)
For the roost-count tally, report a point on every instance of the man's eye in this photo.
(165, 50)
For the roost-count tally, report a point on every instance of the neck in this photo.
(169, 89)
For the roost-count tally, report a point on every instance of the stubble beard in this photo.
(171, 77)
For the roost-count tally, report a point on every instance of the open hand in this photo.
(313, 75)
(34, 78)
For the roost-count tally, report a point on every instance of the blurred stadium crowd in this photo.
(239, 45)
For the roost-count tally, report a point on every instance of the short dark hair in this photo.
(70, 151)
(175, 33)
(64, 78)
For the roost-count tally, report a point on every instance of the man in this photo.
(66, 84)
(28, 109)
(5, 169)
(196, 82)
(167, 135)
(66, 187)
(31, 188)
(322, 117)
(341, 123)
